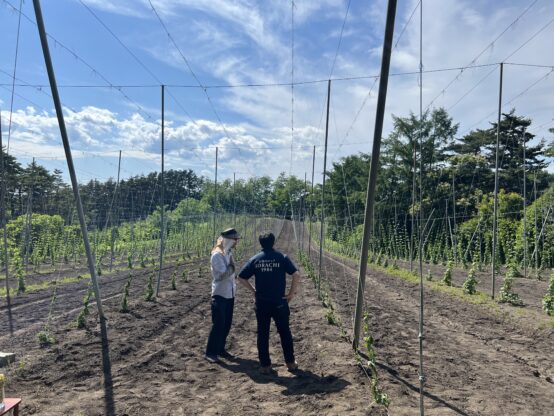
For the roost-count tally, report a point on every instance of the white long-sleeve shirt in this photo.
(223, 282)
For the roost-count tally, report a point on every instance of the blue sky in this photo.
(249, 42)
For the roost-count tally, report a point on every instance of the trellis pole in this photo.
(112, 241)
(311, 208)
(4, 230)
(321, 229)
(215, 196)
(524, 210)
(69, 158)
(29, 219)
(495, 209)
(372, 179)
(162, 197)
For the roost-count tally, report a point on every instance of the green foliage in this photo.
(548, 300)
(470, 283)
(85, 312)
(125, 299)
(45, 337)
(174, 280)
(149, 293)
(447, 279)
(377, 393)
(507, 295)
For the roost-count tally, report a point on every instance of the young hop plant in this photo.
(45, 338)
(377, 394)
(507, 295)
(470, 283)
(548, 300)
(125, 299)
(149, 294)
(82, 318)
(447, 279)
(174, 280)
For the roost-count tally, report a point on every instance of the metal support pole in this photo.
(311, 209)
(303, 211)
(372, 179)
(5, 231)
(234, 199)
(215, 196)
(495, 209)
(29, 219)
(112, 242)
(321, 230)
(524, 211)
(421, 336)
(162, 198)
(68, 155)
(454, 240)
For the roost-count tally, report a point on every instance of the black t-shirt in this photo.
(270, 268)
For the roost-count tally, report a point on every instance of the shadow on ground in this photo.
(302, 381)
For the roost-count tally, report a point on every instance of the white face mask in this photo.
(228, 244)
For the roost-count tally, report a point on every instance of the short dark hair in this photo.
(267, 239)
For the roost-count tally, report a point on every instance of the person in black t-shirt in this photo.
(270, 269)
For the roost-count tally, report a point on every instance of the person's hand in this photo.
(289, 296)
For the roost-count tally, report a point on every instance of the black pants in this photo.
(222, 318)
(280, 313)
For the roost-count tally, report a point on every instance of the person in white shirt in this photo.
(224, 288)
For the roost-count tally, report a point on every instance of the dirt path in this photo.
(156, 354)
(477, 361)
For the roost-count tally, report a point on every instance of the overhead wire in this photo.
(474, 60)
(14, 74)
(204, 89)
(109, 84)
(376, 78)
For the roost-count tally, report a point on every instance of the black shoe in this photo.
(226, 355)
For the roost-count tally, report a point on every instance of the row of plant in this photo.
(47, 244)
(182, 274)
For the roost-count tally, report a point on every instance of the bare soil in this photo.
(477, 359)
(151, 361)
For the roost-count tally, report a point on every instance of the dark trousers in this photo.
(222, 318)
(280, 314)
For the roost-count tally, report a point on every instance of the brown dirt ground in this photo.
(156, 358)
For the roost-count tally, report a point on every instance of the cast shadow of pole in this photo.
(414, 388)
(109, 403)
(303, 381)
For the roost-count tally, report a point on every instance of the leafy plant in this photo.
(173, 280)
(45, 338)
(185, 276)
(429, 276)
(125, 299)
(470, 283)
(507, 295)
(548, 300)
(377, 393)
(447, 279)
(149, 294)
(85, 312)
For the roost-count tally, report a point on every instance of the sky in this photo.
(227, 67)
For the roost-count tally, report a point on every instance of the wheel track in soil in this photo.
(478, 334)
